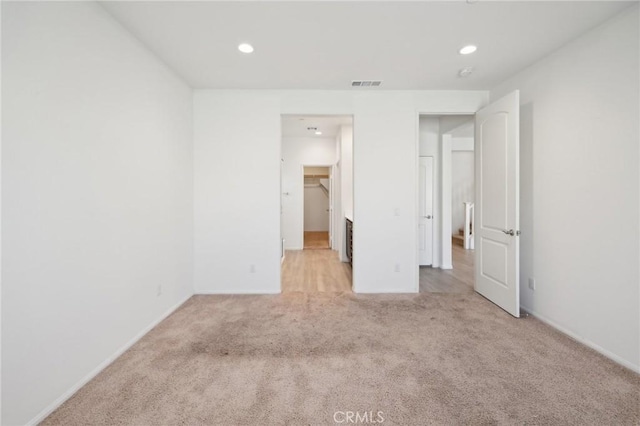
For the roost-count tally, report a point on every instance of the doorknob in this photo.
(428, 217)
(511, 232)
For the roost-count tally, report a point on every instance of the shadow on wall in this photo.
(526, 204)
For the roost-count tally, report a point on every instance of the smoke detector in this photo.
(465, 72)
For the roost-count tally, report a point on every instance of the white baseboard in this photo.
(613, 357)
(75, 388)
(446, 267)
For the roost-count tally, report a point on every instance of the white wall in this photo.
(96, 198)
(385, 202)
(462, 185)
(296, 153)
(445, 200)
(346, 162)
(345, 190)
(237, 192)
(316, 209)
(580, 190)
(0, 219)
(237, 167)
(462, 144)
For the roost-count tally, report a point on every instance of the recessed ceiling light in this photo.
(318, 132)
(245, 48)
(468, 49)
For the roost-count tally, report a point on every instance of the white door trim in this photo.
(446, 261)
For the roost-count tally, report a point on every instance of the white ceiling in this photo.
(296, 126)
(326, 44)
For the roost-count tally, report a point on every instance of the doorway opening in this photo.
(316, 200)
(445, 199)
(317, 207)
(492, 223)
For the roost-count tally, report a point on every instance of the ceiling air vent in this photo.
(366, 83)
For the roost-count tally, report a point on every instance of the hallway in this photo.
(456, 280)
(316, 240)
(311, 271)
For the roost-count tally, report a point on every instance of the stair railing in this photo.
(468, 225)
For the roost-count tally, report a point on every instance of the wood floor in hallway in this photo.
(312, 271)
(314, 240)
(456, 280)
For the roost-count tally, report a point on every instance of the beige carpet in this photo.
(297, 359)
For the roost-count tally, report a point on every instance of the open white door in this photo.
(425, 212)
(497, 203)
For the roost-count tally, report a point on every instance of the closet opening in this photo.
(318, 193)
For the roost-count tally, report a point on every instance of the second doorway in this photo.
(318, 195)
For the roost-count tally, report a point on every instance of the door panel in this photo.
(494, 208)
(497, 203)
(425, 211)
(494, 267)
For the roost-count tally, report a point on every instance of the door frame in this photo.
(331, 167)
